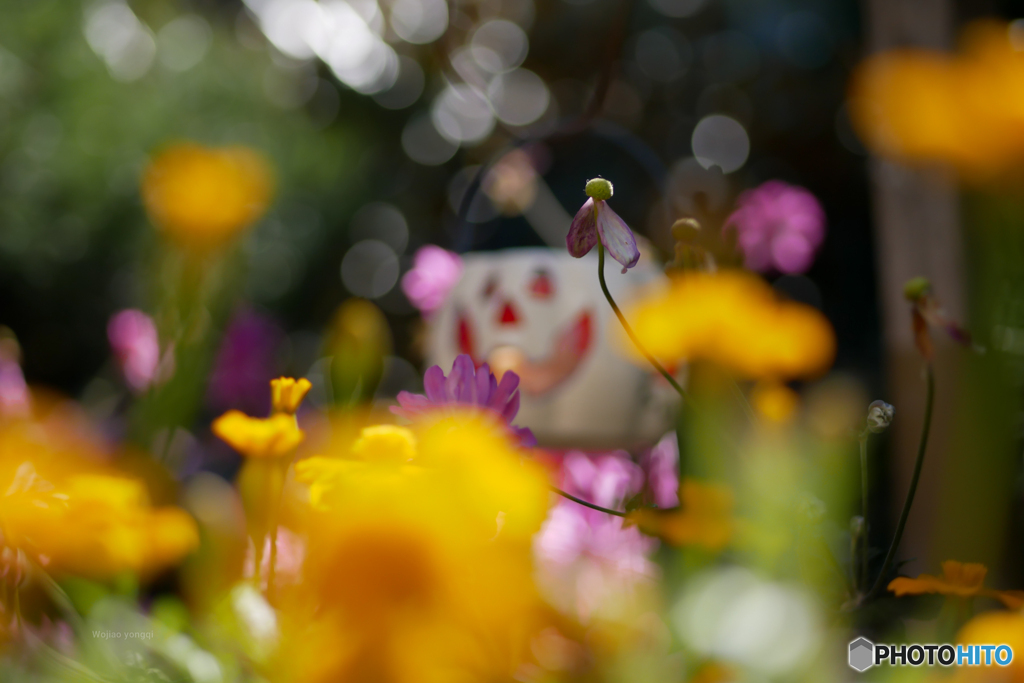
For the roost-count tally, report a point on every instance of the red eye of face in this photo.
(542, 286)
(490, 288)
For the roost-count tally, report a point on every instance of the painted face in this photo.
(540, 313)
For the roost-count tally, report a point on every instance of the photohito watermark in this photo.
(864, 654)
(123, 635)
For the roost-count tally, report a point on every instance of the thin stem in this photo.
(629, 330)
(586, 504)
(273, 562)
(863, 580)
(275, 487)
(922, 445)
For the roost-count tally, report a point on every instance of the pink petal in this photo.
(616, 236)
(582, 235)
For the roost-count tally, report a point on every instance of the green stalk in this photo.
(922, 445)
(629, 330)
(863, 579)
(584, 503)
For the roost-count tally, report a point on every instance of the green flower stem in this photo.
(586, 504)
(629, 330)
(922, 445)
(863, 578)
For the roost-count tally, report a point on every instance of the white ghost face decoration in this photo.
(541, 313)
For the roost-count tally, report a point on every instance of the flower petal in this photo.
(582, 233)
(616, 236)
(503, 392)
(433, 384)
(511, 408)
(459, 385)
(483, 385)
(526, 437)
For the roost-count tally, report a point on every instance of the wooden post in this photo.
(917, 232)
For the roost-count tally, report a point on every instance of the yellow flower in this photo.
(203, 197)
(385, 443)
(469, 449)
(962, 580)
(926, 106)
(704, 517)
(419, 563)
(74, 516)
(287, 394)
(734, 319)
(774, 402)
(995, 628)
(255, 437)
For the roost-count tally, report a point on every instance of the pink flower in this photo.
(467, 385)
(291, 552)
(14, 394)
(661, 464)
(595, 220)
(778, 226)
(434, 273)
(587, 557)
(133, 338)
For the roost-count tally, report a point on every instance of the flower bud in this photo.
(880, 416)
(916, 288)
(599, 189)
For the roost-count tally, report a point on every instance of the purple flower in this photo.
(467, 385)
(133, 338)
(778, 226)
(596, 220)
(587, 558)
(245, 362)
(434, 273)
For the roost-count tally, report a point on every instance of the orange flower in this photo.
(965, 109)
(704, 518)
(204, 197)
(287, 394)
(73, 515)
(962, 580)
(734, 319)
(256, 437)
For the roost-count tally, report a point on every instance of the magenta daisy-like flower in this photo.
(596, 221)
(467, 385)
(434, 274)
(778, 227)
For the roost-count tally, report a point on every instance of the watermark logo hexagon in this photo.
(862, 654)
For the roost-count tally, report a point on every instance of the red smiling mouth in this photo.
(536, 376)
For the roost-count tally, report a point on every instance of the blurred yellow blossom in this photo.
(204, 197)
(287, 394)
(962, 580)
(1001, 628)
(255, 437)
(385, 442)
(75, 516)
(704, 517)
(736, 320)
(965, 109)
(773, 401)
(442, 587)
